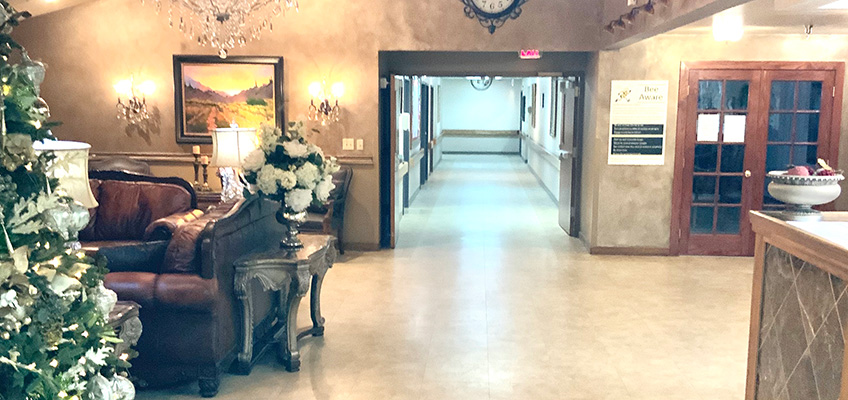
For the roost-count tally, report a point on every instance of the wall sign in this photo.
(638, 112)
(532, 54)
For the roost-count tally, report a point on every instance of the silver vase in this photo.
(291, 221)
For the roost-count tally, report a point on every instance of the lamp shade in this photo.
(71, 168)
(231, 145)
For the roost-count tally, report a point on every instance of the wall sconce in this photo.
(324, 111)
(134, 110)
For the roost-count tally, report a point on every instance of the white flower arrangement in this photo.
(289, 169)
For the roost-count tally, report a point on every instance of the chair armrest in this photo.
(327, 222)
(164, 228)
(137, 257)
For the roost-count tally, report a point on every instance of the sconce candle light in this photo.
(134, 110)
(325, 111)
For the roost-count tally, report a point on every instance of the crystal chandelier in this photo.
(224, 24)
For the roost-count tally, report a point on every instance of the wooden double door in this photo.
(736, 122)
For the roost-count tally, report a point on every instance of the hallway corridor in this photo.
(487, 298)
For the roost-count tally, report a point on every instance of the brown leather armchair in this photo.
(185, 288)
(329, 219)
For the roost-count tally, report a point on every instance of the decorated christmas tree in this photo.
(54, 339)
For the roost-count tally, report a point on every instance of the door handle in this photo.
(747, 173)
(563, 154)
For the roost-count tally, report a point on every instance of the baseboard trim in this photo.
(357, 246)
(629, 251)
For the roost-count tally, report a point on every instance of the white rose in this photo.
(254, 161)
(307, 175)
(287, 179)
(323, 189)
(298, 199)
(296, 149)
(266, 179)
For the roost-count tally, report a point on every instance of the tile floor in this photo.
(487, 298)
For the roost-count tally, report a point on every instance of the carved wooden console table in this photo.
(289, 274)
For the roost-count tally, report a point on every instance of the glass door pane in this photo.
(719, 160)
(793, 130)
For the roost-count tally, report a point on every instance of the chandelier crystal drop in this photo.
(224, 24)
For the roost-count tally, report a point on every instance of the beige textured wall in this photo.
(633, 207)
(91, 46)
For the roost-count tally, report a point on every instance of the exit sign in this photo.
(532, 54)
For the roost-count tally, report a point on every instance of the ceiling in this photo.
(781, 17)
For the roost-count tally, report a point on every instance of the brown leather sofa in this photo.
(180, 270)
(329, 219)
(136, 208)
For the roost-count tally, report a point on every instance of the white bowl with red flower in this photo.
(802, 187)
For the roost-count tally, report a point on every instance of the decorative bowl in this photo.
(801, 193)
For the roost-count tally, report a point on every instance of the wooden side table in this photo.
(207, 199)
(289, 274)
(124, 320)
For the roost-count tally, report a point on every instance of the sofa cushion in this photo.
(127, 208)
(130, 255)
(133, 286)
(186, 292)
(181, 256)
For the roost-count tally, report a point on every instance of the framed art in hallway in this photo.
(211, 93)
(533, 95)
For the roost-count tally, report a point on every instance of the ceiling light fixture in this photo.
(728, 27)
(836, 5)
(224, 24)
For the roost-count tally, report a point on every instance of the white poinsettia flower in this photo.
(299, 199)
(62, 283)
(254, 160)
(98, 357)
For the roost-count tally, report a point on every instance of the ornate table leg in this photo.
(315, 303)
(244, 295)
(287, 352)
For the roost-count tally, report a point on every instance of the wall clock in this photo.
(493, 13)
(481, 83)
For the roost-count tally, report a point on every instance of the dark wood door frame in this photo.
(838, 68)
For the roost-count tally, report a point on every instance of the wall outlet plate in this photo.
(360, 144)
(347, 144)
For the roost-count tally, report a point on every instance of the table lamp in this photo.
(70, 167)
(229, 148)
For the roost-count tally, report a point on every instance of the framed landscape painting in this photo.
(211, 93)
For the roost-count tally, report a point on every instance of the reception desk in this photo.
(799, 311)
